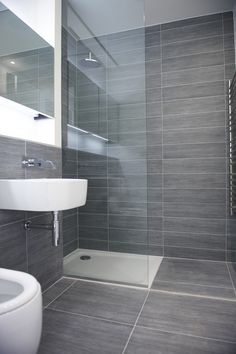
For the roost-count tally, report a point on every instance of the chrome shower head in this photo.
(90, 62)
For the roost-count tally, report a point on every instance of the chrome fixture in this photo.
(40, 163)
(54, 226)
(90, 62)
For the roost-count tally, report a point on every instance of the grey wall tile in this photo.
(205, 180)
(195, 31)
(192, 47)
(193, 150)
(193, 61)
(192, 196)
(194, 90)
(201, 226)
(215, 165)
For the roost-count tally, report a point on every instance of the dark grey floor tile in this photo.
(73, 334)
(190, 315)
(106, 301)
(56, 290)
(203, 276)
(148, 341)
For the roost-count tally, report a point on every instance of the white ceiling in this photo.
(111, 16)
(162, 11)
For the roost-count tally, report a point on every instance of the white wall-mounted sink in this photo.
(42, 194)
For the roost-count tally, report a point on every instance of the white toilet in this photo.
(20, 313)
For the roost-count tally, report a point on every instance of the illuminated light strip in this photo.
(86, 132)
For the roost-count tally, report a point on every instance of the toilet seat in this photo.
(23, 288)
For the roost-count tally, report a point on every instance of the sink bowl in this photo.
(42, 194)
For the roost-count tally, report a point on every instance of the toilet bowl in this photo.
(20, 313)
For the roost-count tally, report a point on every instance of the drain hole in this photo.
(85, 258)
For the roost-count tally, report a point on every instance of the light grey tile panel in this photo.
(190, 76)
(153, 81)
(93, 334)
(193, 196)
(125, 71)
(193, 210)
(194, 150)
(194, 90)
(153, 67)
(194, 105)
(150, 341)
(127, 153)
(194, 240)
(180, 180)
(193, 61)
(214, 165)
(201, 226)
(104, 301)
(195, 31)
(180, 313)
(123, 126)
(184, 121)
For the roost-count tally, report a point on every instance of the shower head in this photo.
(90, 62)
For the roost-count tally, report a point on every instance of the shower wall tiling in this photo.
(158, 170)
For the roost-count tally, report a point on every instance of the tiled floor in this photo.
(89, 317)
(196, 277)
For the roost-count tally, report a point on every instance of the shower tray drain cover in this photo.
(85, 258)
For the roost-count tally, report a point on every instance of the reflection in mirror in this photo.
(26, 65)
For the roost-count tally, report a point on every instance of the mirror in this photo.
(26, 65)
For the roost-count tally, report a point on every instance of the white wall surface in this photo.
(38, 14)
(162, 11)
(18, 121)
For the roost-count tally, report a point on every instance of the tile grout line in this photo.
(90, 317)
(231, 278)
(135, 324)
(60, 294)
